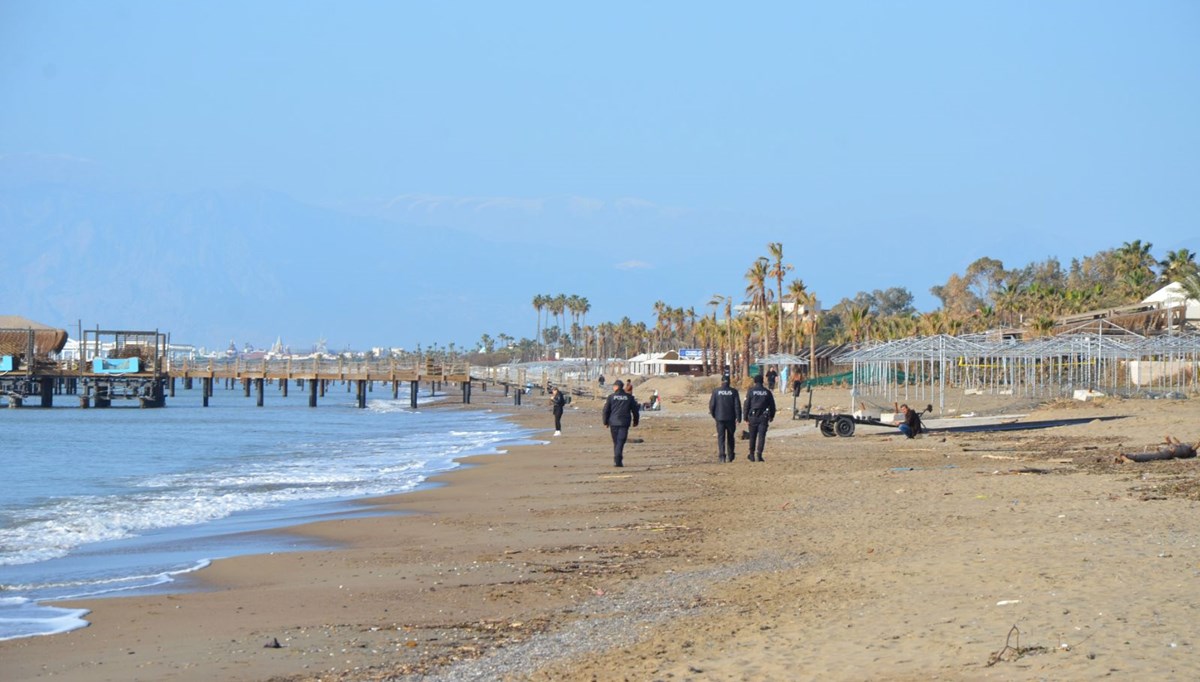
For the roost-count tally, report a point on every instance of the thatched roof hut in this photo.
(15, 332)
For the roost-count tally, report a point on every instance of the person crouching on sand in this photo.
(620, 413)
(910, 422)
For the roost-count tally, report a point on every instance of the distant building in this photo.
(1174, 296)
(686, 361)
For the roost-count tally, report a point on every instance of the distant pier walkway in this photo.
(99, 383)
(138, 366)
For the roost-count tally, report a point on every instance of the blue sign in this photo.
(114, 365)
(691, 353)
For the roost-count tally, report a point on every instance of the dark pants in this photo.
(758, 436)
(558, 420)
(619, 435)
(726, 430)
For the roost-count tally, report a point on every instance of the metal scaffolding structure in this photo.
(1106, 358)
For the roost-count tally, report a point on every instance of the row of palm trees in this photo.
(558, 306)
(773, 315)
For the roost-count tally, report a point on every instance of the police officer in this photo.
(759, 411)
(725, 406)
(620, 413)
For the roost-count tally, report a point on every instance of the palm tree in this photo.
(690, 318)
(1043, 325)
(778, 270)
(558, 306)
(707, 333)
(743, 328)
(717, 300)
(584, 307)
(1008, 301)
(758, 294)
(1177, 266)
(932, 324)
(800, 297)
(539, 304)
(1135, 266)
(1136, 283)
(858, 323)
(1191, 285)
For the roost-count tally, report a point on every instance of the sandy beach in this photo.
(1011, 556)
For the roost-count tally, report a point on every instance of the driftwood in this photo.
(1170, 449)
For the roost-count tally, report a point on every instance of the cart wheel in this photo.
(826, 427)
(845, 427)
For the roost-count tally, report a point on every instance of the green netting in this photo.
(829, 380)
(865, 375)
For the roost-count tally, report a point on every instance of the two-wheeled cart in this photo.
(836, 423)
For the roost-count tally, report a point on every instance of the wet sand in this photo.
(872, 557)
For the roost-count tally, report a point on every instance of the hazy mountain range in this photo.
(253, 265)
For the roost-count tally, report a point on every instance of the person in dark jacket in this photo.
(725, 406)
(620, 413)
(557, 401)
(759, 410)
(910, 425)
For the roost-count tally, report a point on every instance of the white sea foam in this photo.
(29, 620)
(148, 473)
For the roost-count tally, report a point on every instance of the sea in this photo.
(121, 501)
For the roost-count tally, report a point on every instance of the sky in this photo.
(883, 143)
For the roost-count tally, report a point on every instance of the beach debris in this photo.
(1170, 449)
(273, 644)
(1013, 650)
(903, 469)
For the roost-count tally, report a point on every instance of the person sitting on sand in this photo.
(910, 425)
(654, 404)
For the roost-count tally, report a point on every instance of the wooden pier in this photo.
(151, 388)
(135, 366)
(315, 376)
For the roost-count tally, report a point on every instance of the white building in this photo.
(1174, 296)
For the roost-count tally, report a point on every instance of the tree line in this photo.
(771, 316)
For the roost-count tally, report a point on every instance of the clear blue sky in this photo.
(884, 143)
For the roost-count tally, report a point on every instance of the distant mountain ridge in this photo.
(208, 266)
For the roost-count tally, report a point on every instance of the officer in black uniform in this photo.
(725, 406)
(759, 411)
(620, 413)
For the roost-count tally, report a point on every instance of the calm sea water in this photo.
(125, 500)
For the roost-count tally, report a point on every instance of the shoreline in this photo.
(835, 558)
(154, 526)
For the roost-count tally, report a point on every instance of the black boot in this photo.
(722, 458)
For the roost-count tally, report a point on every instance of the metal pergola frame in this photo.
(1106, 358)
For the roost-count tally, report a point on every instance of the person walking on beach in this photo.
(725, 407)
(620, 413)
(759, 410)
(557, 401)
